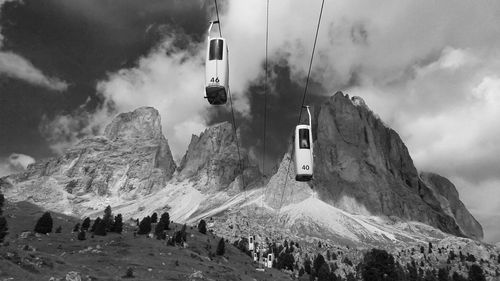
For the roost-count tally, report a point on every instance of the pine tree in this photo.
(301, 271)
(307, 266)
(430, 276)
(451, 255)
(285, 261)
(165, 217)
(101, 228)
(86, 224)
(457, 277)
(180, 236)
(3, 229)
(154, 218)
(476, 273)
(412, 271)
(443, 274)
(221, 247)
(129, 273)
(202, 227)
(118, 224)
(2, 201)
(318, 262)
(324, 273)
(96, 222)
(184, 233)
(44, 224)
(145, 226)
(81, 235)
(471, 258)
(108, 218)
(350, 277)
(160, 230)
(76, 228)
(378, 265)
(3, 221)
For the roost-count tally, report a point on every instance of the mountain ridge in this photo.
(131, 169)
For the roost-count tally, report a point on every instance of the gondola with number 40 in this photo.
(303, 151)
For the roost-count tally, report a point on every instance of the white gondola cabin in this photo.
(216, 69)
(303, 148)
(251, 245)
(270, 258)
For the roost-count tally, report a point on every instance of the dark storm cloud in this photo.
(78, 42)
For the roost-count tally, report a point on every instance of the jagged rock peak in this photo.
(358, 101)
(212, 159)
(132, 160)
(142, 123)
(448, 197)
(363, 166)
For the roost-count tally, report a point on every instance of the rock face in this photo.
(213, 162)
(447, 195)
(363, 167)
(132, 159)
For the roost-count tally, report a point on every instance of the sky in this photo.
(429, 69)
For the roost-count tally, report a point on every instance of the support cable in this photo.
(217, 12)
(266, 88)
(302, 105)
(241, 164)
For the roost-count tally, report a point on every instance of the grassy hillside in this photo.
(40, 257)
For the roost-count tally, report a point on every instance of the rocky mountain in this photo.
(446, 193)
(366, 189)
(131, 160)
(213, 160)
(363, 167)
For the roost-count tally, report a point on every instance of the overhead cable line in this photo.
(302, 104)
(217, 12)
(265, 108)
(241, 164)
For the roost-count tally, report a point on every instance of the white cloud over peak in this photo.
(170, 80)
(15, 163)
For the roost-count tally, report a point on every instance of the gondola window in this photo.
(216, 47)
(304, 139)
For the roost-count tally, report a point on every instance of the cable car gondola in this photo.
(303, 148)
(216, 69)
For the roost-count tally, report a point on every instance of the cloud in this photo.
(63, 131)
(172, 81)
(15, 163)
(429, 70)
(15, 66)
(168, 79)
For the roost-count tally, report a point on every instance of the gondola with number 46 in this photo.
(216, 69)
